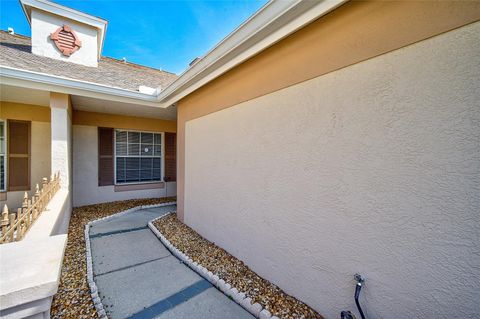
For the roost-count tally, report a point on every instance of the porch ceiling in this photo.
(89, 104)
(23, 95)
(16, 94)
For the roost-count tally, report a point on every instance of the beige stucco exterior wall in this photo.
(85, 173)
(24, 112)
(123, 122)
(374, 168)
(40, 162)
(354, 32)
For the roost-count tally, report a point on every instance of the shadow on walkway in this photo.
(137, 277)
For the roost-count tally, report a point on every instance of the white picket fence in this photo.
(13, 225)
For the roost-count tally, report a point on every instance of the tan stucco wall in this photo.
(355, 32)
(123, 122)
(374, 168)
(40, 161)
(85, 148)
(24, 112)
(85, 172)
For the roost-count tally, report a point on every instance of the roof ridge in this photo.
(18, 35)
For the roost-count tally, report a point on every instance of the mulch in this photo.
(73, 298)
(233, 270)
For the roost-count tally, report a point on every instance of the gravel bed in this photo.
(73, 298)
(232, 270)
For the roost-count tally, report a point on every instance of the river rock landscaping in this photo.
(73, 299)
(232, 270)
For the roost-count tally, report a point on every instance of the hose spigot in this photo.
(359, 279)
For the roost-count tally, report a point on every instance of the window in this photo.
(3, 162)
(138, 157)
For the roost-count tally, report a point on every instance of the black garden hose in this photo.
(357, 294)
(348, 314)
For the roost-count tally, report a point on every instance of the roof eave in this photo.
(273, 22)
(48, 82)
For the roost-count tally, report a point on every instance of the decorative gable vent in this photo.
(66, 40)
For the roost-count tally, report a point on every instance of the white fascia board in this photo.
(47, 82)
(275, 21)
(60, 10)
(48, 6)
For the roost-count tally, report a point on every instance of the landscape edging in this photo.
(88, 253)
(239, 297)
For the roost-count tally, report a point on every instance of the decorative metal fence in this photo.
(13, 225)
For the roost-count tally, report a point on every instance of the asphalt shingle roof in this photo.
(15, 52)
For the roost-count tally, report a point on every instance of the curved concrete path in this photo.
(137, 277)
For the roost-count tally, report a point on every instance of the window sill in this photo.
(137, 187)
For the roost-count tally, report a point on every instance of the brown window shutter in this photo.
(105, 156)
(170, 157)
(18, 155)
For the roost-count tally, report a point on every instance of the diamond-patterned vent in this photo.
(66, 40)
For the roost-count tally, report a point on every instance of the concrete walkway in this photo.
(137, 277)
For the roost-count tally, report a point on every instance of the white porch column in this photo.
(61, 121)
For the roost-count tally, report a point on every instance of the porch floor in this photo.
(137, 277)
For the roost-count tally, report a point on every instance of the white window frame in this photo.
(162, 157)
(4, 189)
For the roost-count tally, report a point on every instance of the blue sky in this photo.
(161, 34)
